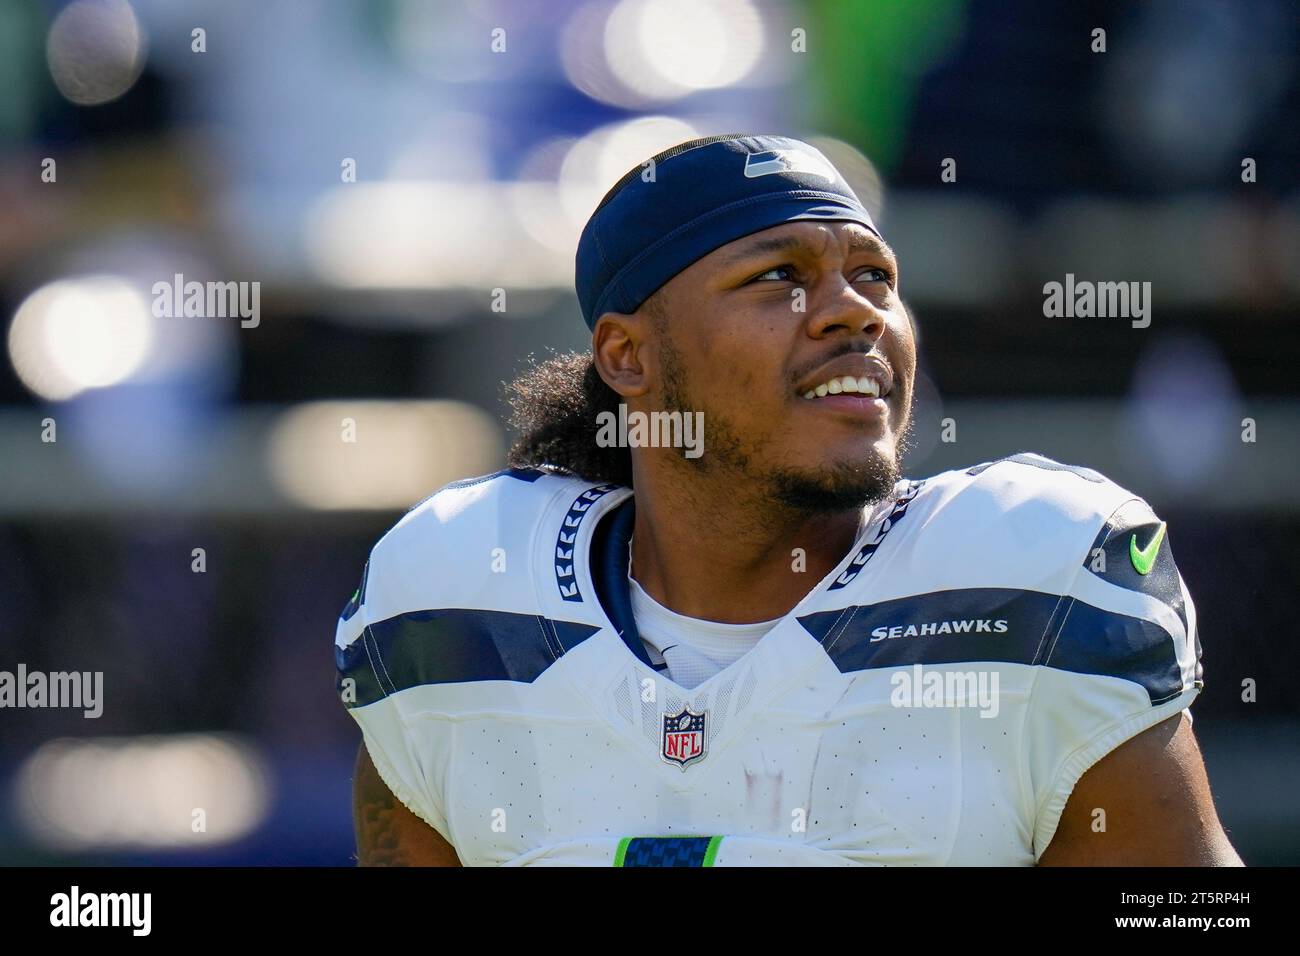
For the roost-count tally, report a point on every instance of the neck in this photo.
(706, 548)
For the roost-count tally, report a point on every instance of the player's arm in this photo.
(1157, 803)
(388, 834)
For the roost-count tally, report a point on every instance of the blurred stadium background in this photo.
(474, 171)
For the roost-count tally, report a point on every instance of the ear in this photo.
(620, 346)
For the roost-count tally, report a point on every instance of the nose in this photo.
(843, 309)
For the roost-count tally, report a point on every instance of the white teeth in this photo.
(846, 384)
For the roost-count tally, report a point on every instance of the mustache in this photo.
(847, 348)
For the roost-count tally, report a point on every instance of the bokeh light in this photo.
(95, 50)
(80, 333)
(181, 791)
(377, 454)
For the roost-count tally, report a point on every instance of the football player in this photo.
(636, 649)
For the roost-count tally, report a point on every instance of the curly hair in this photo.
(554, 406)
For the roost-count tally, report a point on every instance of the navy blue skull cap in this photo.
(703, 194)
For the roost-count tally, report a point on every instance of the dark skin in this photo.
(388, 834)
(1157, 803)
(713, 542)
(745, 332)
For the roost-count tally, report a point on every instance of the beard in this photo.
(842, 486)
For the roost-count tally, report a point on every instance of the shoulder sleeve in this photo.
(364, 688)
(441, 610)
(1121, 655)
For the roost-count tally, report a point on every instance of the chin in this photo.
(838, 486)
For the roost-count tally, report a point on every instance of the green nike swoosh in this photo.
(1145, 560)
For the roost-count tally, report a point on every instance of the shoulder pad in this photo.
(449, 593)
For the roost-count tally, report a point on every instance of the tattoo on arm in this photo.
(374, 811)
(389, 834)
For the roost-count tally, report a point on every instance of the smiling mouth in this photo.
(867, 386)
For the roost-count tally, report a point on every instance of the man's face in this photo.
(756, 326)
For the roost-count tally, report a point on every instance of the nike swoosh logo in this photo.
(1145, 559)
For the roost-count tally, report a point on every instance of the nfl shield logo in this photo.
(684, 737)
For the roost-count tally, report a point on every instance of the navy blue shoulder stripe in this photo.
(1109, 558)
(1000, 625)
(451, 645)
(1094, 641)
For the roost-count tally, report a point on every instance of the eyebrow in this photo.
(858, 242)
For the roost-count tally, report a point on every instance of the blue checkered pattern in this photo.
(666, 851)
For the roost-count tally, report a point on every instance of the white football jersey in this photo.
(932, 701)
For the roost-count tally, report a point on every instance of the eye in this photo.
(875, 275)
(778, 274)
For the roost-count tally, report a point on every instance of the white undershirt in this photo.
(693, 649)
